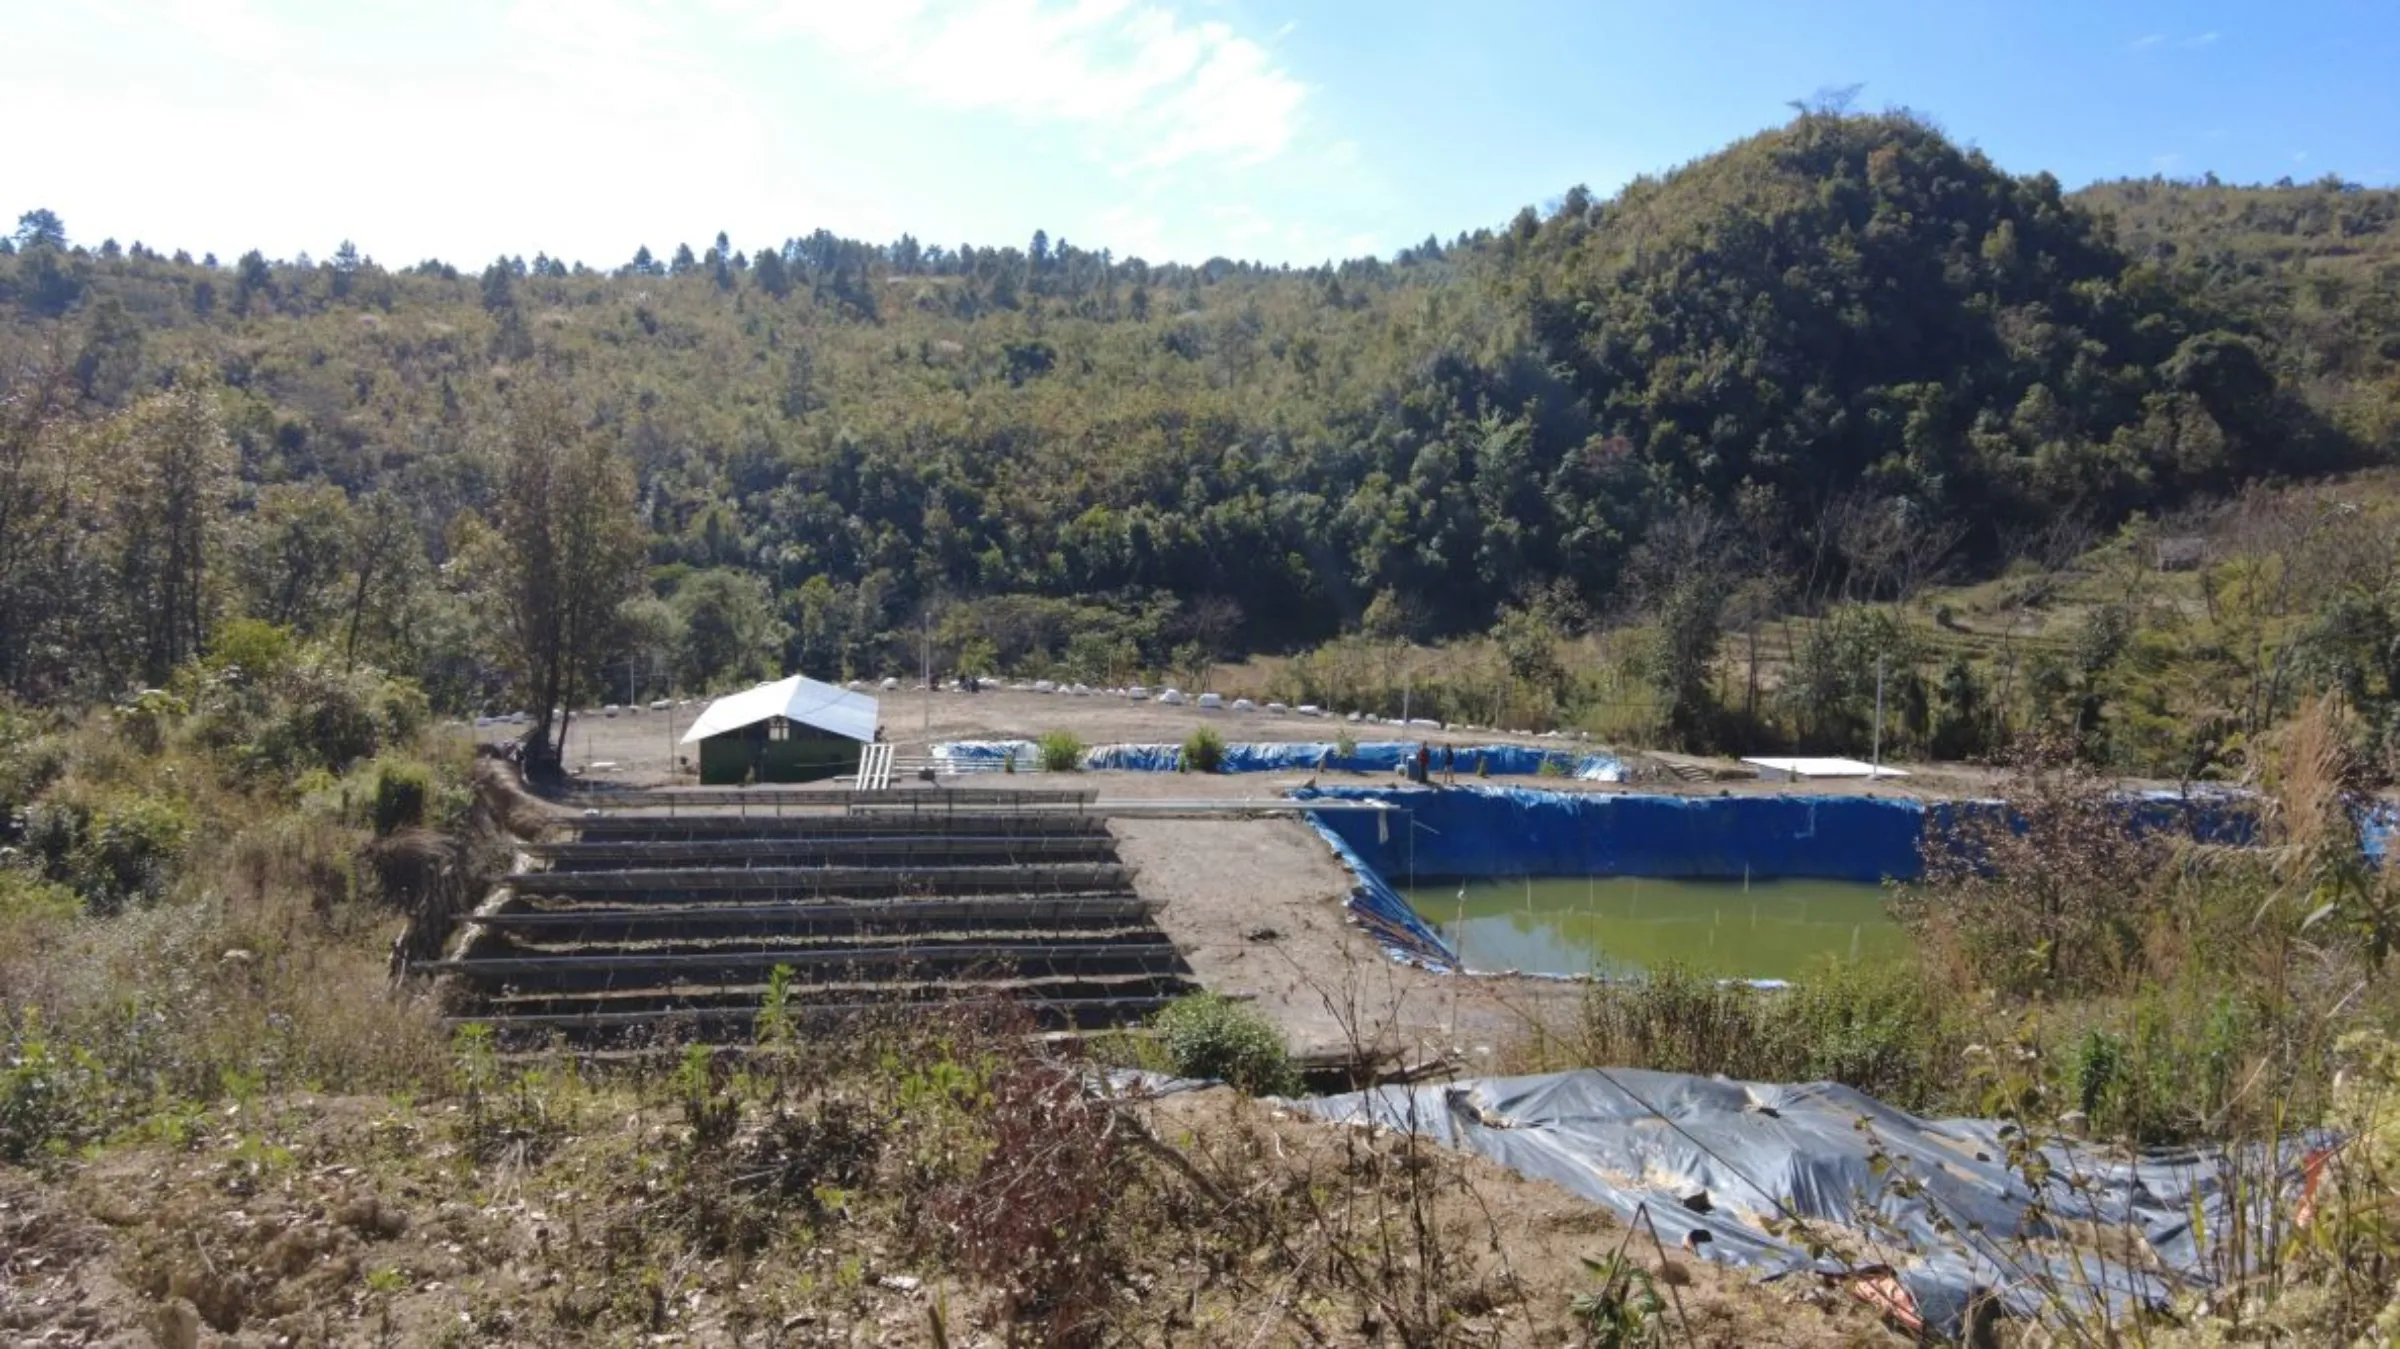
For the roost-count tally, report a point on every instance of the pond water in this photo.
(1619, 926)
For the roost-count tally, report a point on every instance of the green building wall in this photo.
(748, 754)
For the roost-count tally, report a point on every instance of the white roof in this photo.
(1825, 768)
(799, 699)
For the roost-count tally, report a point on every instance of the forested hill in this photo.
(1832, 353)
(2311, 269)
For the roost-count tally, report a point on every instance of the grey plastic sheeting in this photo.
(1721, 1166)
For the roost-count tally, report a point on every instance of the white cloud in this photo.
(2201, 40)
(2166, 163)
(1146, 88)
(2148, 40)
(232, 27)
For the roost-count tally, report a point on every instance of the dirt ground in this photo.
(324, 1221)
(1256, 907)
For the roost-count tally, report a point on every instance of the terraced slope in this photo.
(648, 927)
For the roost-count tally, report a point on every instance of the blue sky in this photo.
(1169, 129)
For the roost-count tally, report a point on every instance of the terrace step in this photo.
(831, 881)
(919, 848)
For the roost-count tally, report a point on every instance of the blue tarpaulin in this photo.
(1518, 831)
(1384, 912)
(1475, 831)
(989, 754)
(1374, 756)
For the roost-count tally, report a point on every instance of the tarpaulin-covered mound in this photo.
(1301, 756)
(983, 755)
(1373, 756)
(1772, 1177)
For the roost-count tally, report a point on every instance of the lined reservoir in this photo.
(1620, 926)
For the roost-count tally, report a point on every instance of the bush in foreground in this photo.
(1204, 751)
(1062, 752)
(1207, 1035)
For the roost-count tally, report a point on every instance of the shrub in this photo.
(114, 848)
(257, 648)
(1880, 1029)
(49, 1094)
(2050, 892)
(1208, 1035)
(401, 790)
(1345, 746)
(24, 895)
(1204, 751)
(147, 716)
(1062, 752)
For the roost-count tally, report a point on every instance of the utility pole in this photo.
(928, 724)
(1875, 770)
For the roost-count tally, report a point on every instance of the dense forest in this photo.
(1834, 361)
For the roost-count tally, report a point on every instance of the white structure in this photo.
(1804, 770)
(833, 710)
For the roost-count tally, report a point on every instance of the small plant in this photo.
(1207, 1035)
(1552, 766)
(1204, 751)
(1062, 752)
(1625, 1311)
(1345, 746)
(774, 1027)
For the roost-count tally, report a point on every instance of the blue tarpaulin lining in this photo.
(1385, 913)
(1469, 832)
(1481, 831)
(1518, 831)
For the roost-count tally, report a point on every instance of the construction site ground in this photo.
(1254, 901)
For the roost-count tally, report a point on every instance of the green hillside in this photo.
(2311, 269)
(1839, 355)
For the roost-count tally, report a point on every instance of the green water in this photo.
(1620, 926)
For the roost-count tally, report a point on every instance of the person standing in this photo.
(1449, 766)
